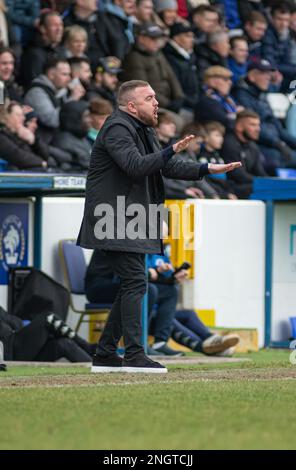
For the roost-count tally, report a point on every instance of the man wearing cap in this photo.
(216, 103)
(276, 144)
(106, 79)
(147, 62)
(180, 55)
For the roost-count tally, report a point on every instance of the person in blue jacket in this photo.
(24, 15)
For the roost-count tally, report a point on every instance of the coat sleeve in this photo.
(121, 146)
(41, 103)
(178, 169)
(14, 155)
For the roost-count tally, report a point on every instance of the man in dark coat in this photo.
(123, 214)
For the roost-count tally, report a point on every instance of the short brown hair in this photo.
(246, 114)
(193, 128)
(100, 107)
(127, 88)
(164, 117)
(256, 17)
(214, 126)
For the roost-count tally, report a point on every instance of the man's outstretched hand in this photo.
(183, 144)
(215, 168)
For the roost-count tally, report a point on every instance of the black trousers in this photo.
(125, 316)
(36, 342)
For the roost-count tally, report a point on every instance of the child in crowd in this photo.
(213, 141)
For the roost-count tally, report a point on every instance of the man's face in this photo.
(60, 75)
(185, 40)
(256, 31)
(150, 44)
(6, 66)
(110, 81)
(169, 17)
(221, 84)
(240, 52)
(281, 21)
(260, 79)
(144, 11)
(222, 47)
(128, 6)
(53, 29)
(90, 5)
(84, 73)
(250, 127)
(145, 105)
(207, 22)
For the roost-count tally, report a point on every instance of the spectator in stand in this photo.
(81, 74)
(180, 55)
(7, 37)
(167, 11)
(17, 143)
(205, 19)
(166, 129)
(276, 43)
(238, 58)
(55, 5)
(99, 110)
(255, 28)
(277, 145)
(72, 137)
(293, 35)
(46, 44)
(210, 153)
(231, 13)
(47, 94)
(147, 62)
(144, 12)
(106, 79)
(7, 62)
(216, 104)
(240, 145)
(75, 42)
(214, 52)
(84, 13)
(24, 16)
(247, 7)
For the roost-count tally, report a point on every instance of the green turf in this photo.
(187, 414)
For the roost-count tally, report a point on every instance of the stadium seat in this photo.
(74, 269)
(279, 104)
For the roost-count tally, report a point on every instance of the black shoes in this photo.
(142, 364)
(115, 363)
(106, 364)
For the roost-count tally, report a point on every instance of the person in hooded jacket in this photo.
(72, 137)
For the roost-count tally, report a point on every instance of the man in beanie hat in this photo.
(167, 11)
(179, 53)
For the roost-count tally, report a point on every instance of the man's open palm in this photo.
(215, 168)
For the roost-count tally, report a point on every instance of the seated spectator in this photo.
(144, 12)
(47, 94)
(72, 137)
(216, 104)
(181, 189)
(214, 52)
(240, 145)
(293, 35)
(167, 10)
(180, 55)
(75, 42)
(81, 74)
(276, 43)
(24, 16)
(17, 143)
(164, 289)
(205, 19)
(99, 110)
(147, 62)
(275, 141)
(255, 28)
(45, 339)
(238, 58)
(106, 79)
(56, 158)
(7, 37)
(7, 61)
(210, 153)
(45, 45)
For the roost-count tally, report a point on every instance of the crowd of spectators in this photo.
(212, 65)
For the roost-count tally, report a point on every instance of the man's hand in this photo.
(183, 144)
(181, 276)
(195, 192)
(215, 168)
(163, 268)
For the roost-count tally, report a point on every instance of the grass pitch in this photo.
(248, 405)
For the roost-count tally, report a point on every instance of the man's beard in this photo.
(248, 137)
(147, 119)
